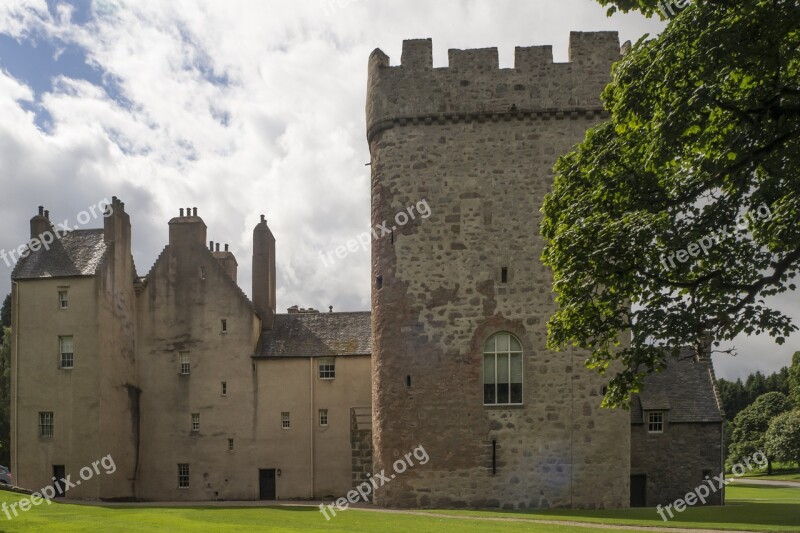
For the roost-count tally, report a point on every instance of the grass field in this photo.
(759, 509)
(781, 472)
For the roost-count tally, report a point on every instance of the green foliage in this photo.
(5, 315)
(704, 134)
(751, 425)
(794, 379)
(782, 441)
(5, 398)
(736, 395)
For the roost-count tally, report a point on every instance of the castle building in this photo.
(200, 393)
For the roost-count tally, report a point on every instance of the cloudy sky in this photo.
(239, 108)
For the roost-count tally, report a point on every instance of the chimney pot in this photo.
(194, 211)
(211, 245)
(217, 247)
(263, 218)
(47, 214)
(226, 247)
(330, 309)
(41, 210)
(181, 212)
(114, 199)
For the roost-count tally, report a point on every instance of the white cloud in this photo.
(238, 108)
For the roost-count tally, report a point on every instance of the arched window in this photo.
(502, 370)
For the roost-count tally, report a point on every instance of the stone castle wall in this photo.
(478, 144)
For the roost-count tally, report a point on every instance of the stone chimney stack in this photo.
(187, 230)
(264, 273)
(116, 222)
(40, 224)
(226, 259)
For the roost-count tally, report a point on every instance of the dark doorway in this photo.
(266, 484)
(639, 491)
(59, 472)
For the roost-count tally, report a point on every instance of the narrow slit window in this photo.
(224, 388)
(224, 326)
(230, 445)
(504, 275)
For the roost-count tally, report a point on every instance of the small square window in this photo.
(327, 368)
(183, 476)
(323, 417)
(46, 424)
(67, 359)
(186, 367)
(285, 424)
(224, 388)
(195, 421)
(230, 445)
(655, 422)
(63, 301)
(224, 326)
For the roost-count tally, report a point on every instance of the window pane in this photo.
(66, 345)
(502, 342)
(488, 369)
(489, 393)
(502, 368)
(515, 345)
(516, 368)
(489, 346)
(516, 393)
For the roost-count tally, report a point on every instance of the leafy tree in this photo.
(794, 379)
(783, 437)
(5, 316)
(751, 425)
(677, 217)
(5, 398)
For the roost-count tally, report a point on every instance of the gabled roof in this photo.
(686, 389)
(77, 253)
(318, 335)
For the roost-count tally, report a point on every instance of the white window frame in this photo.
(195, 422)
(511, 353)
(286, 421)
(656, 421)
(323, 417)
(46, 424)
(327, 367)
(63, 299)
(183, 475)
(66, 360)
(185, 365)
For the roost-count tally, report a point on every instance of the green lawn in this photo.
(781, 472)
(748, 508)
(761, 509)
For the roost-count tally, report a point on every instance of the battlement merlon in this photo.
(474, 85)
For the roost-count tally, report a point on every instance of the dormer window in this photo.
(655, 422)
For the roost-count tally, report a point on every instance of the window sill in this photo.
(499, 406)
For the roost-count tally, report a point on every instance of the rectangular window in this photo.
(327, 368)
(46, 424)
(224, 326)
(323, 417)
(67, 354)
(183, 476)
(285, 421)
(185, 366)
(195, 421)
(224, 388)
(230, 445)
(504, 275)
(502, 370)
(63, 301)
(655, 422)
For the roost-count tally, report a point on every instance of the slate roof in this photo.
(318, 335)
(686, 389)
(78, 253)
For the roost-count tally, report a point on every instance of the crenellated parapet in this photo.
(474, 87)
